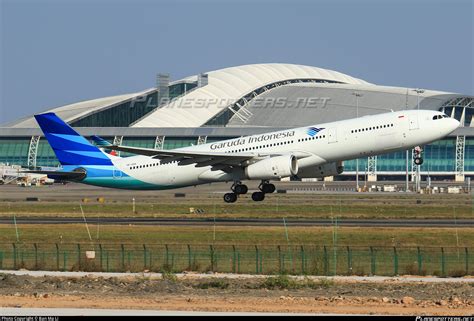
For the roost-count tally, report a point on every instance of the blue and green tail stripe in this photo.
(70, 147)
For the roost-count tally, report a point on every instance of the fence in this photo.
(251, 259)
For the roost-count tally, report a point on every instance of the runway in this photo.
(441, 223)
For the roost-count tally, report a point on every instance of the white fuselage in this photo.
(320, 144)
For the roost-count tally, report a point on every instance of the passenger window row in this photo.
(371, 128)
(149, 165)
(274, 144)
(258, 147)
(311, 138)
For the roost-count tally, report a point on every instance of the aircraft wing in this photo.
(201, 159)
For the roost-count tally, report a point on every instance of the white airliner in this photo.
(307, 152)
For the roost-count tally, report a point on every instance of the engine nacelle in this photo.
(273, 167)
(320, 171)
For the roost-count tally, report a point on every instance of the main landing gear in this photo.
(417, 158)
(265, 188)
(238, 188)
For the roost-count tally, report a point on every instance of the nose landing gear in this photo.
(418, 160)
(417, 155)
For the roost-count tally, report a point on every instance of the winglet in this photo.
(99, 141)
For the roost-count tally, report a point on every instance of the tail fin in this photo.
(70, 147)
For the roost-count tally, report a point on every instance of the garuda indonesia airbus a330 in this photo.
(306, 152)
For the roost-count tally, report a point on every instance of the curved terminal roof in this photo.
(237, 86)
(333, 102)
(73, 112)
(226, 86)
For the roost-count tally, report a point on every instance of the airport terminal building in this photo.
(252, 99)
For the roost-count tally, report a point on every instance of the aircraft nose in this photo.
(453, 124)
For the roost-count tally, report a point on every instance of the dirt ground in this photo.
(277, 294)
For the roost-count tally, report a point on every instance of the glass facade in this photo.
(469, 113)
(121, 115)
(469, 155)
(45, 155)
(350, 165)
(180, 89)
(458, 112)
(440, 156)
(393, 162)
(144, 142)
(14, 151)
(217, 139)
(175, 142)
(460, 108)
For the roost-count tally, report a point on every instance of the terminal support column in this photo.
(372, 169)
(202, 140)
(460, 147)
(118, 141)
(159, 142)
(33, 151)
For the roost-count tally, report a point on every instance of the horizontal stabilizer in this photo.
(58, 175)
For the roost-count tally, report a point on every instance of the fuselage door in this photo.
(414, 122)
(332, 135)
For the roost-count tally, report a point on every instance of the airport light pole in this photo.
(365, 178)
(406, 177)
(406, 154)
(418, 92)
(357, 95)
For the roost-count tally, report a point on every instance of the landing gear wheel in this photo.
(418, 160)
(240, 189)
(267, 188)
(418, 155)
(230, 197)
(258, 196)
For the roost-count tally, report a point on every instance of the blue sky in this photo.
(55, 52)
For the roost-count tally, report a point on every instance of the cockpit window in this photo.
(440, 116)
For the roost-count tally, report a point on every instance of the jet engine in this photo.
(320, 171)
(273, 167)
